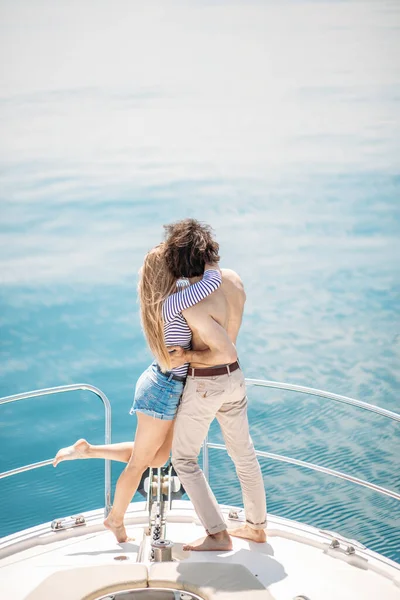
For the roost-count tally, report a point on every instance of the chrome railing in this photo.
(255, 382)
(328, 395)
(107, 432)
(301, 463)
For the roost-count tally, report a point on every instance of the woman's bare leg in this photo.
(120, 452)
(151, 435)
(82, 449)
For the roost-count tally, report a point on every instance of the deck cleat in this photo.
(68, 522)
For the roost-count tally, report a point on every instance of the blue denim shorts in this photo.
(156, 394)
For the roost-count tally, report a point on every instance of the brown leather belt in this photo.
(213, 371)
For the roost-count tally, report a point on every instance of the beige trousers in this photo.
(223, 397)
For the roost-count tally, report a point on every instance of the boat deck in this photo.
(296, 561)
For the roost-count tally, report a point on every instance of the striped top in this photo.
(176, 330)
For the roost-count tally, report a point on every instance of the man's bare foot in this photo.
(218, 541)
(118, 530)
(247, 533)
(78, 450)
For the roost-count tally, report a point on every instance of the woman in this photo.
(159, 388)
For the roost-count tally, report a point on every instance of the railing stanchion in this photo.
(107, 462)
(205, 459)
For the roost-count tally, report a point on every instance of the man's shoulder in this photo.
(231, 276)
(232, 287)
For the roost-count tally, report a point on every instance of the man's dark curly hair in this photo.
(189, 245)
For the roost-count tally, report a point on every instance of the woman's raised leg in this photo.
(82, 449)
(120, 452)
(151, 435)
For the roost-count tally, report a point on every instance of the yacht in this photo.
(74, 557)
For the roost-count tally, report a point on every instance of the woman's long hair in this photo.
(155, 285)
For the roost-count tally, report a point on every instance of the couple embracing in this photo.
(195, 377)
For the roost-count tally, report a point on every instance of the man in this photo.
(213, 392)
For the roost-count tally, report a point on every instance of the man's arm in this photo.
(192, 294)
(220, 351)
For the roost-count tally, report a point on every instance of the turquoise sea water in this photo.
(278, 125)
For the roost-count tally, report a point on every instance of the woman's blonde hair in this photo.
(155, 285)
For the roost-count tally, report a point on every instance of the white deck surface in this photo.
(295, 560)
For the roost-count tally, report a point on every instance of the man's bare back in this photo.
(222, 309)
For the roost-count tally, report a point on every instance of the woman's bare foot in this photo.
(247, 533)
(78, 450)
(118, 529)
(218, 541)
